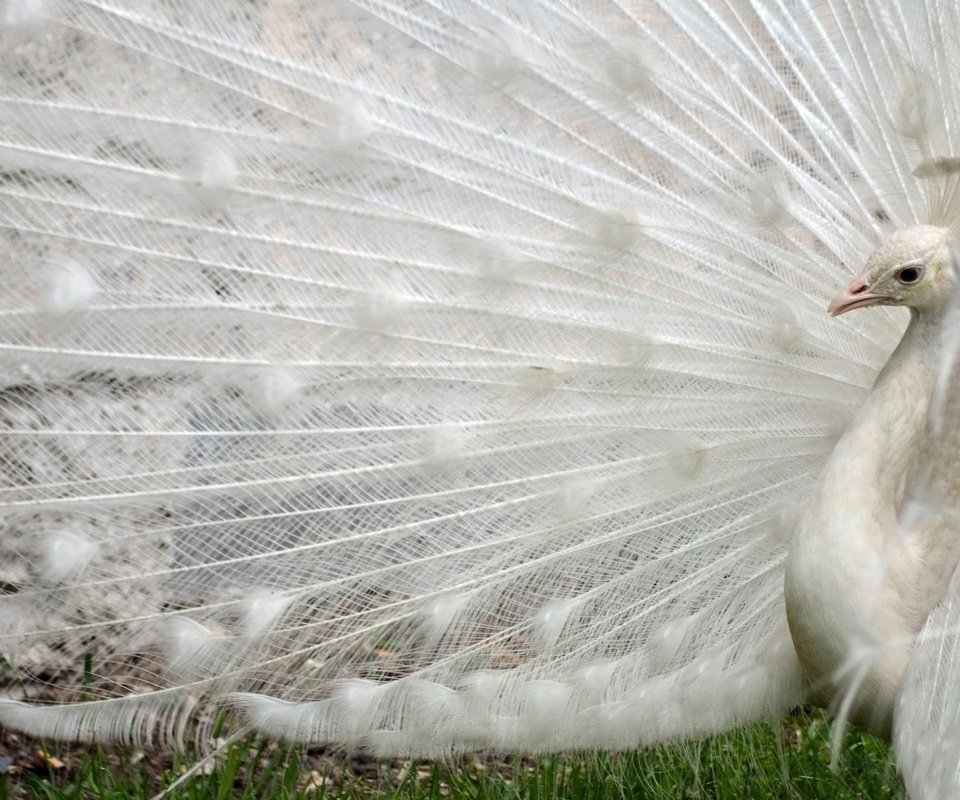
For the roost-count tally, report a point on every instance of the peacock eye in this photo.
(909, 275)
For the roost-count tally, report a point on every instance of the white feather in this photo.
(427, 375)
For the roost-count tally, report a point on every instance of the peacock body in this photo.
(417, 374)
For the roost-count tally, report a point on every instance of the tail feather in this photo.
(416, 374)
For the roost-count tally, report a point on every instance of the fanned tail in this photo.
(420, 374)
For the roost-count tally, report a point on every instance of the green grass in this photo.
(791, 760)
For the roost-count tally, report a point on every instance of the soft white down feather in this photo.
(417, 373)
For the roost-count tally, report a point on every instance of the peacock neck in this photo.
(847, 569)
(883, 436)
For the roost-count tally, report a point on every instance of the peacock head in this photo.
(913, 268)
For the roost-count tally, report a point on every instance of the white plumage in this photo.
(869, 559)
(420, 374)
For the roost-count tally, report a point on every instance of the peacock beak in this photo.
(854, 296)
